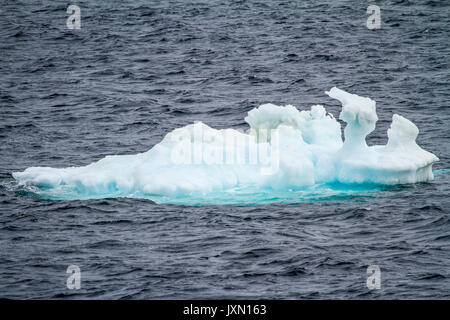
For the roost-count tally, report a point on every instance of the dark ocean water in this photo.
(138, 69)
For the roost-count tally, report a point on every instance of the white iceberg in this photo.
(284, 149)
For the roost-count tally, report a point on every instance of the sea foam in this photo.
(284, 150)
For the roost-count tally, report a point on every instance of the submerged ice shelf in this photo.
(285, 150)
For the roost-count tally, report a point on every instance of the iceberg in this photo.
(285, 149)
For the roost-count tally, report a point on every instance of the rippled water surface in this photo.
(138, 69)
